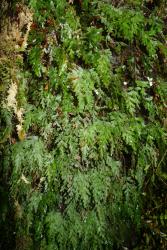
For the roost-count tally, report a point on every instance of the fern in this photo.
(89, 93)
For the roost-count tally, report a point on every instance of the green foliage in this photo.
(90, 171)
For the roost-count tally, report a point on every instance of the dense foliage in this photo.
(83, 126)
